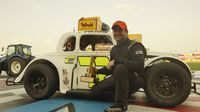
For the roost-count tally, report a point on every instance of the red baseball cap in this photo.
(121, 24)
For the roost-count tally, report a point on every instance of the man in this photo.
(126, 63)
(70, 44)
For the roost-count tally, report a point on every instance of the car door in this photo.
(90, 49)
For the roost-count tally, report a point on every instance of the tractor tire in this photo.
(40, 81)
(167, 84)
(16, 66)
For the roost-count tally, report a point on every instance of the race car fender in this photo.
(60, 67)
(153, 60)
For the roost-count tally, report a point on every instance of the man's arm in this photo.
(107, 70)
(135, 59)
(104, 70)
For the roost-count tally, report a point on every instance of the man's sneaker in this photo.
(116, 108)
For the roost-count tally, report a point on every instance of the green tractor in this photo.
(16, 59)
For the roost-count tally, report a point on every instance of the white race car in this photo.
(167, 80)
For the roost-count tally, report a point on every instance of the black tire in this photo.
(40, 81)
(15, 66)
(0, 68)
(167, 84)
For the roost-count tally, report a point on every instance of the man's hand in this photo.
(110, 65)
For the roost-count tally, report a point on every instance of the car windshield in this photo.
(96, 43)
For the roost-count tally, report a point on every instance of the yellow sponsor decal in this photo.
(89, 24)
(136, 37)
(101, 77)
(99, 61)
(69, 60)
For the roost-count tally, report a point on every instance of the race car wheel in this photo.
(15, 67)
(167, 84)
(40, 81)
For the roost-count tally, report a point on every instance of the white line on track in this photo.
(10, 98)
(15, 91)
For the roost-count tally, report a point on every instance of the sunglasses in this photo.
(117, 29)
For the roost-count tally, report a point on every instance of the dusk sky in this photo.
(166, 25)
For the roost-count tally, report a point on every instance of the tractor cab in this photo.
(19, 49)
(16, 58)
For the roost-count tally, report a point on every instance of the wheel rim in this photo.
(166, 85)
(15, 67)
(37, 83)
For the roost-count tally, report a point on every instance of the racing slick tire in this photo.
(40, 81)
(15, 66)
(167, 84)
